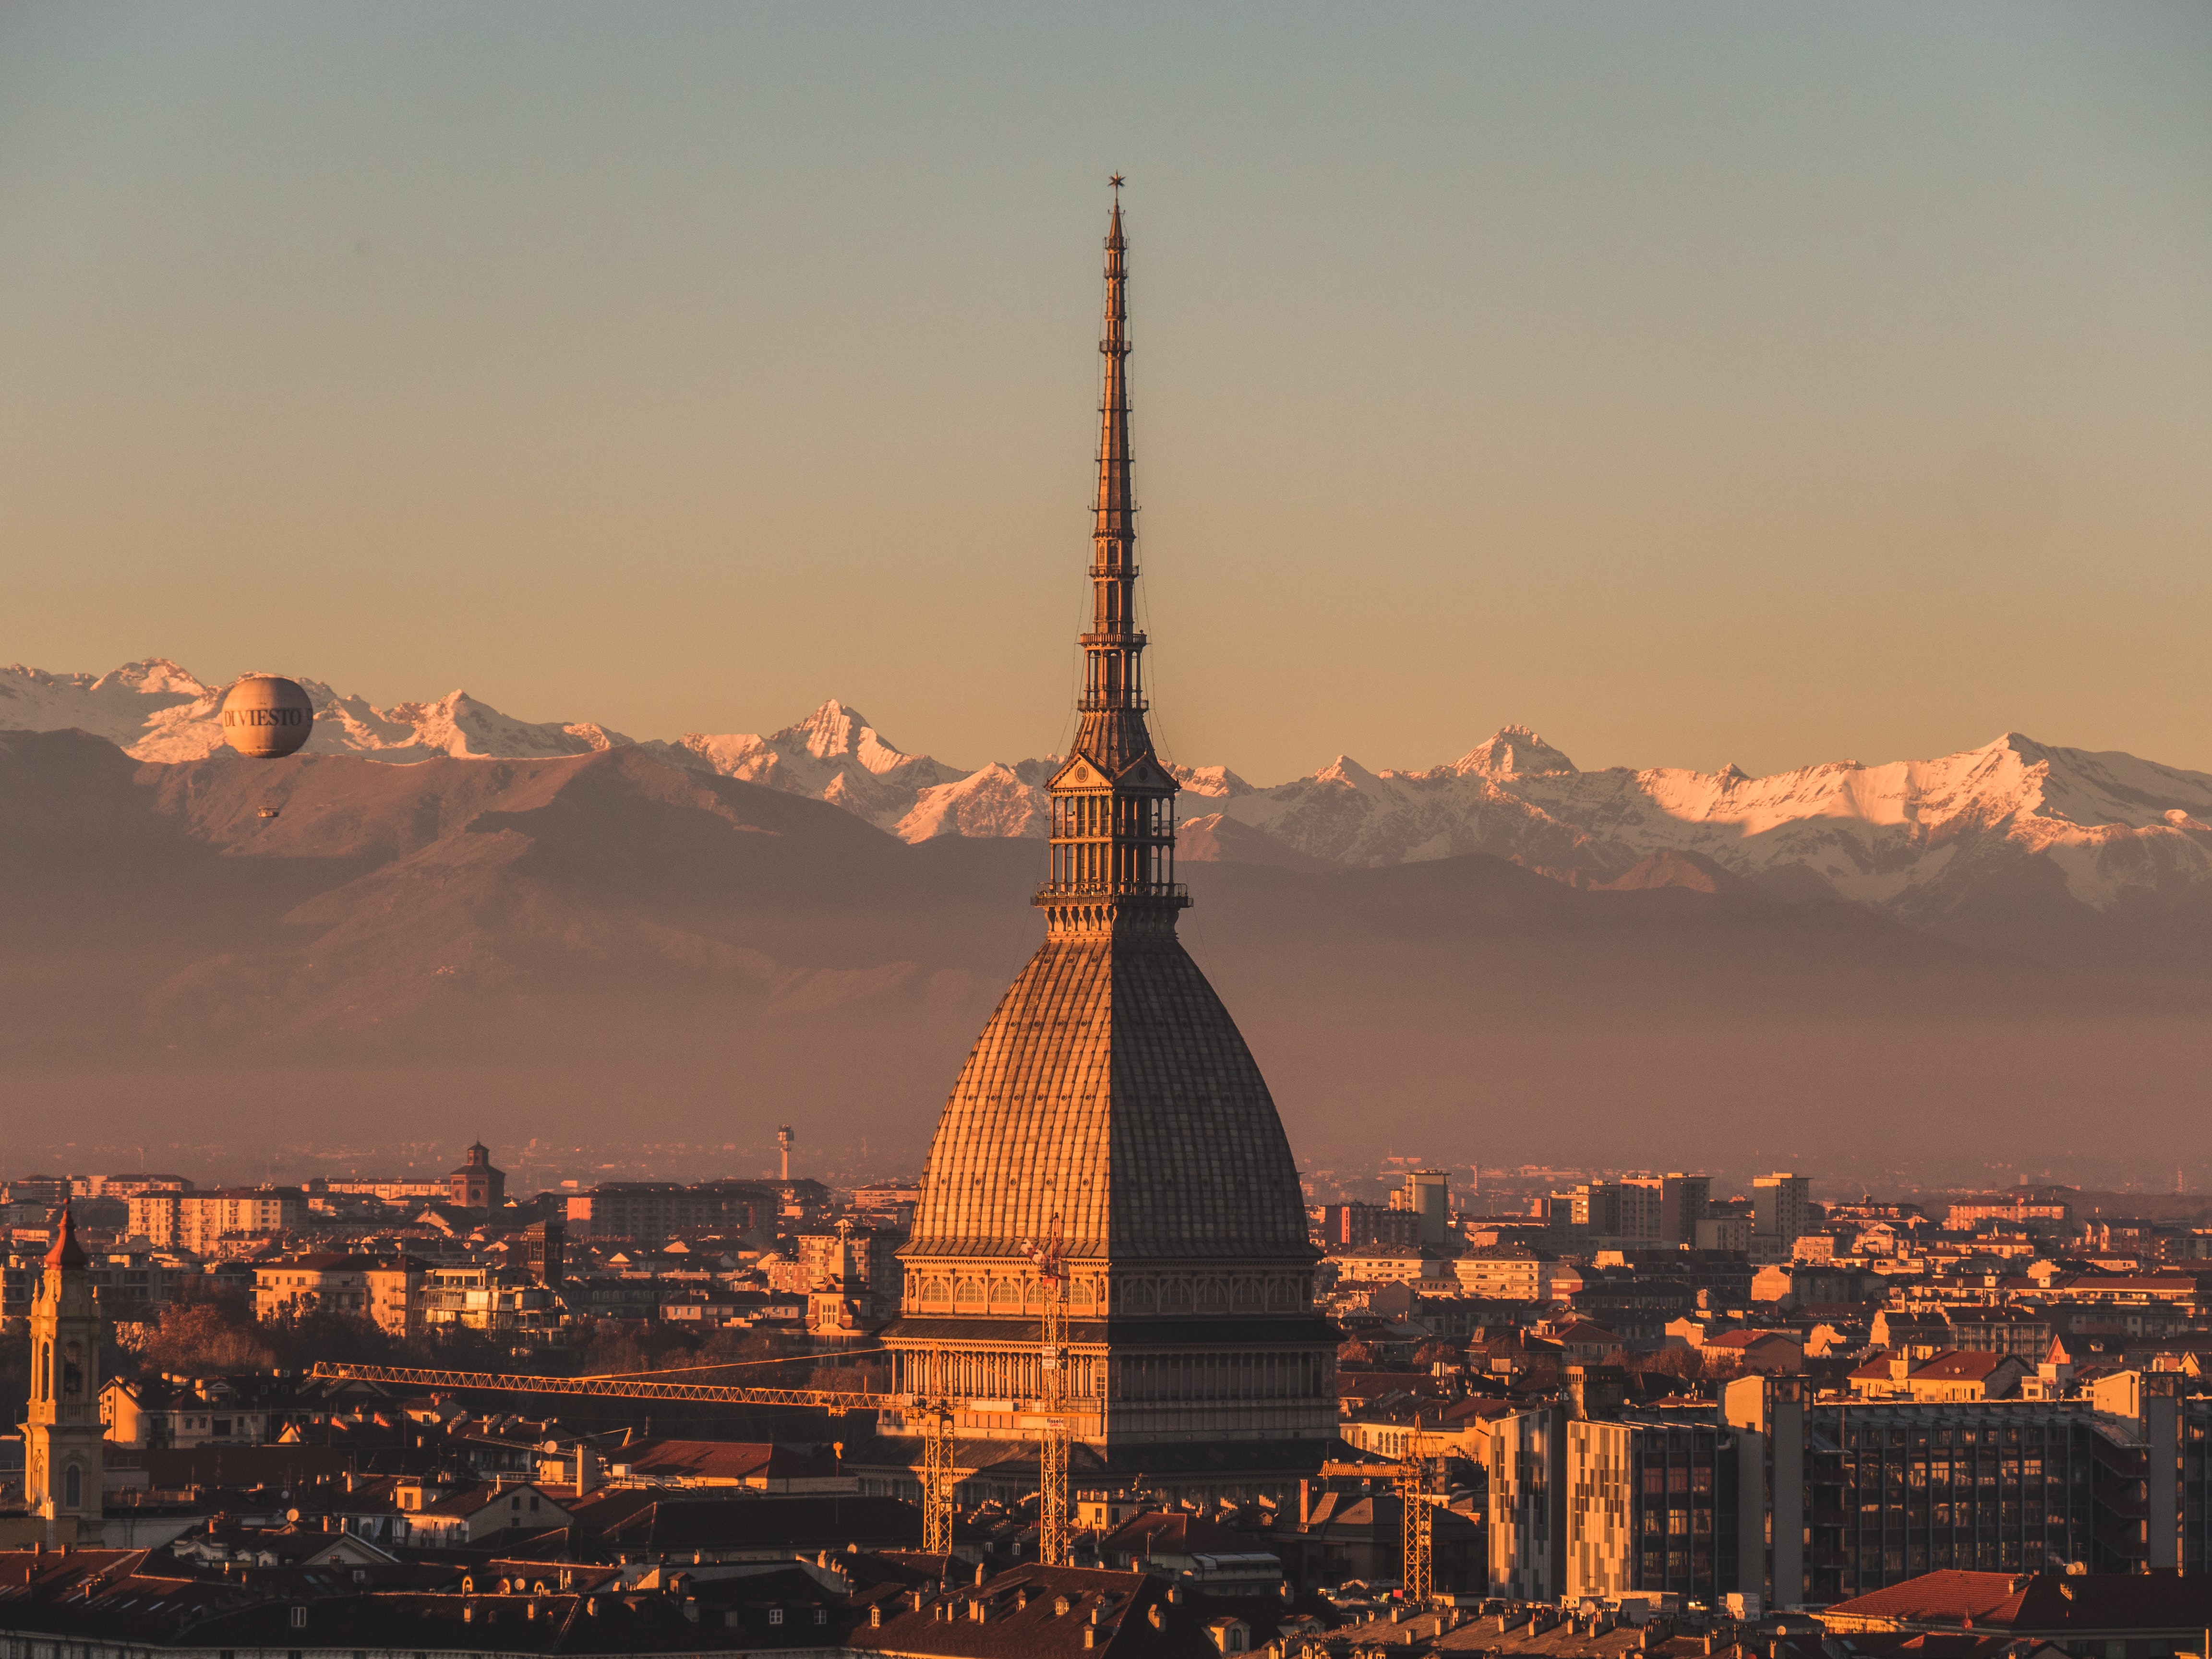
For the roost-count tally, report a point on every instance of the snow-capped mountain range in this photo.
(155, 710)
(1911, 838)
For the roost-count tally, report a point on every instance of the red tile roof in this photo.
(1962, 1366)
(719, 1460)
(2038, 1604)
(1951, 1365)
(1033, 1613)
(1168, 1533)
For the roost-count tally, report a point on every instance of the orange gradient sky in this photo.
(1696, 383)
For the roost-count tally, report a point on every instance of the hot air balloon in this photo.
(266, 718)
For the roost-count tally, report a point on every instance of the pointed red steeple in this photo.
(66, 1252)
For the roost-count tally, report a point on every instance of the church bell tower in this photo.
(65, 1441)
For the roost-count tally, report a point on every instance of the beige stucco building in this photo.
(200, 1222)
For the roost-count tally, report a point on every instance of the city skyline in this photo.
(486, 1177)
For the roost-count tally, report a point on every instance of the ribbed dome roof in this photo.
(1111, 1088)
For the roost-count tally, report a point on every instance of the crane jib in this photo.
(619, 1387)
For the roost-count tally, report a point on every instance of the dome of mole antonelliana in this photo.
(1112, 1089)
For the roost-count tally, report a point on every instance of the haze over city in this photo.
(1753, 393)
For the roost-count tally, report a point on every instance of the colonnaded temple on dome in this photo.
(1111, 1105)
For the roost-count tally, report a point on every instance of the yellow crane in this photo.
(939, 1478)
(1418, 1518)
(1055, 1539)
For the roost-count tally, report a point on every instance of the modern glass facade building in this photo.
(1653, 1504)
(1807, 1502)
(1896, 1490)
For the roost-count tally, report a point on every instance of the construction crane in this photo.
(612, 1388)
(1418, 1518)
(1055, 1542)
(939, 1478)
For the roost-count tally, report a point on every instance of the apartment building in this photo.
(386, 1189)
(1350, 1226)
(1514, 1273)
(1426, 1196)
(1781, 1211)
(200, 1222)
(863, 1256)
(158, 1411)
(395, 1294)
(1391, 1264)
(655, 1209)
(485, 1299)
(300, 1283)
(1632, 1212)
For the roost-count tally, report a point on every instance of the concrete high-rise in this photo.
(1427, 1194)
(1778, 1209)
(1111, 1112)
(1683, 1200)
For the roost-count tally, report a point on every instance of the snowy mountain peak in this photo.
(1217, 780)
(837, 732)
(1514, 752)
(121, 706)
(1348, 773)
(831, 731)
(152, 677)
(994, 802)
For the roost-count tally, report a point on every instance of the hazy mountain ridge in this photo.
(1926, 841)
(541, 945)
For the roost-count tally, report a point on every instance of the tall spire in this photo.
(1111, 1107)
(1117, 532)
(1112, 803)
(1113, 732)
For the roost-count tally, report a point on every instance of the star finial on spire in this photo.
(1116, 182)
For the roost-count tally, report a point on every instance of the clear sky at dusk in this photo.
(1696, 383)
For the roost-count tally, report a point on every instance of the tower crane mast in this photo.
(938, 1479)
(1055, 1545)
(1418, 1519)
